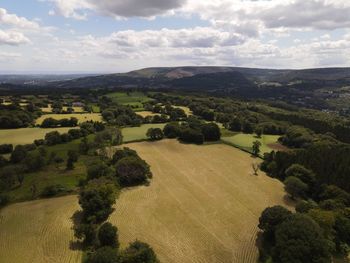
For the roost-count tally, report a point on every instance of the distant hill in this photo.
(165, 76)
(307, 87)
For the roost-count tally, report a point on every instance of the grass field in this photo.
(138, 133)
(53, 174)
(245, 142)
(133, 99)
(202, 206)
(81, 117)
(95, 109)
(38, 231)
(26, 135)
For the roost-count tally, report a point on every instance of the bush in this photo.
(138, 252)
(53, 190)
(103, 255)
(6, 148)
(108, 235)
(155, 134)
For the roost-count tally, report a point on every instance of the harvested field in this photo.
(81, 117)
(146, 113)
(75, 109)
(26, 135)
(38, 232)
(202, 205)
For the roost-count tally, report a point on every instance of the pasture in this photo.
(81, 117)
(133, 99)
(138, 133)
(26, 135)
(202, 205)
(245, 142)
(38, 231)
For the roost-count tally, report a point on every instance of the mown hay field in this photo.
(146, 113)
(138, 133)
(26, 135)
(75, 109)
(202, 205)
(38, 232)
(245, 142)
(82, 117)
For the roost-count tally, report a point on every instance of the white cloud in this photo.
(12, 38)
(16, 21)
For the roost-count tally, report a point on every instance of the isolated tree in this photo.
(295, 187)
(108, 235)
(72, 158)
(256, 148)
(255, 167)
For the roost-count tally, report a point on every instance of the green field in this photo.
(82, 117)
(26, 135)
(245, 142)
(95, 109)
(53, 174)
(133, 99)
(138, 133)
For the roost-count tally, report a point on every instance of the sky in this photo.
(105, 36)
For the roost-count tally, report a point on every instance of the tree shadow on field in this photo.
(76, 219)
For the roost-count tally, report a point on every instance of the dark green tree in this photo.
(108, 235)
(300, 239)
(295, 187)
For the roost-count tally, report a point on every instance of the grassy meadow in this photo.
(54, 174)
(138, 133)
(82, 117)
(26, 135)
(133, 99)
(245, 142)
